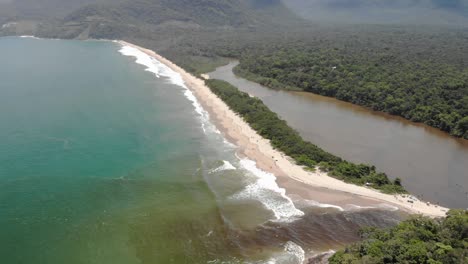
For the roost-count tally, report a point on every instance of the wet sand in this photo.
(432, 164)
(298, 182)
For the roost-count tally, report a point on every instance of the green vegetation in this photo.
(418, 240)
(286, 139)
(419, 73)
(144, 19)
(426, 83)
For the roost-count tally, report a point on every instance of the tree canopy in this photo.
(422, 77)
(418, 240)
(287, 140)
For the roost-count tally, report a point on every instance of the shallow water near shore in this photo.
(432, 164)
(106, 157)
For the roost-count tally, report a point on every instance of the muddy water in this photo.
(432, 164)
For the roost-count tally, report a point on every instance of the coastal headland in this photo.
(297, 181)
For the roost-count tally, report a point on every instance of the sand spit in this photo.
(317, 186)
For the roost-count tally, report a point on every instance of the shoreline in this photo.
(317, 186)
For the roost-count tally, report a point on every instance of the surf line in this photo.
(265, 181)
(239, 128)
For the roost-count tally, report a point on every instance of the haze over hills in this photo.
(203, 12)
(236, 11)
(43, 9)
(371, 53)
(106, 18)
(125, 18)
(444, 12)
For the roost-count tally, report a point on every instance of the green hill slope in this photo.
(116, 18)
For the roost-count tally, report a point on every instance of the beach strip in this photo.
(257, 148)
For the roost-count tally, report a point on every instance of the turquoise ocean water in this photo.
(105, 160)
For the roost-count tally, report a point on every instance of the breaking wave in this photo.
(226, 166)
(266, 190)
(160, 70)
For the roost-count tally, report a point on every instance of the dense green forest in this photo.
(417, 240)
(286, 139)
(142, 19)
(421, 76)
(417, 72)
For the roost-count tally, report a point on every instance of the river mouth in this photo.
(262, 211)
(112, 161)
(432, 164)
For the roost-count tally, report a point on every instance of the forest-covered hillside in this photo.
(159, 23)
(421, 75)
(106, 18)
(208, 13)
(417, 72)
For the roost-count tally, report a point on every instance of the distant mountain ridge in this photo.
(72, 18)
(41, 9)
(201, 12)
(442, 12)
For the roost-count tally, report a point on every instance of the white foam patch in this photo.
(293, 254)
(229, 144)
(266, 190)
(323, 205)
(160, 70)
(199, 109)
(354, 207)
(383, 206)
(153, 65)
(295, 251)
(226, 166)
(388, 207)
(326, 254)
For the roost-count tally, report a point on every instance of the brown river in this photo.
(431, 164)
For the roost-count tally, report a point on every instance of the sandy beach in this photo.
(317, 186)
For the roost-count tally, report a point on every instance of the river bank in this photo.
(316, 186)
(431, 164)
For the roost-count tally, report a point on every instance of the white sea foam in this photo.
(295, 251)
(322, 205)
(160, 70)
(293, 254)
(229, 144)
(265, 187)
(266, 190)
(383, 206)
(355, 207)
(153, 65)
(326, 254)
(226, 166)
(388, 207)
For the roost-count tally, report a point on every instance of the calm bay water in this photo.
(431, 163)
(104, 162)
